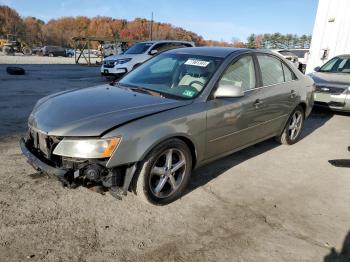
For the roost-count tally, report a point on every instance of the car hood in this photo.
(331, 79)
(93, 111)
(122, 56)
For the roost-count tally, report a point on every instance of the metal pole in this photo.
(152, 26)
(89, 52)
(75, 52)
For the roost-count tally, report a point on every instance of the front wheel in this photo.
(292, 131)
(164, 173)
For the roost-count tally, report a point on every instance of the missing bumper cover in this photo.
(118, 180)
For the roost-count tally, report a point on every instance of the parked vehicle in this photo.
(50, 50)
(178, 111)
(11, 45)
(114, 48)
(333, 84)
(36, 50)
(288, 55)
(137, 54)
(303, 56)
(70, 52)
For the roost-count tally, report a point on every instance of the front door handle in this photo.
(293, 94)
(258, 103)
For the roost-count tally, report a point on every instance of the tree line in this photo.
(278, 41)
(60, 31)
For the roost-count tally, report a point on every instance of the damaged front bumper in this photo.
(117, 180)
(38, 164)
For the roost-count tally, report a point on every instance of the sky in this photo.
(212, 19)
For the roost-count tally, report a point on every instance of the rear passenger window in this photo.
(288, 74)
(271, 70)
(240, 73)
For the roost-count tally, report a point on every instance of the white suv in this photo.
(117, 65)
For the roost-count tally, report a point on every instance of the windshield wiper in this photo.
(147, 91)
(140, 89)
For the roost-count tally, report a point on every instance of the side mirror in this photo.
(228, 91)
(153, 52)
(317, 68)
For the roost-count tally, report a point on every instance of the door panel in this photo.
(235, 122)
(279, 89)
(279, 104)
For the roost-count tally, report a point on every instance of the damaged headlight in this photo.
(87, 148)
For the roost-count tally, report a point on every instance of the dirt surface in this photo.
(265, 203)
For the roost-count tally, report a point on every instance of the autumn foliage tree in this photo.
(60, 31)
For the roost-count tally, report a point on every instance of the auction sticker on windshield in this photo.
(188, 93)
(196, 62)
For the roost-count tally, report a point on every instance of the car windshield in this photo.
(337, 65)
(175, 75)
(139, 48)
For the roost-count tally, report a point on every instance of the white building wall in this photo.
(331, 32)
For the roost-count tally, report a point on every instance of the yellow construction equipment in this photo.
(11, 45)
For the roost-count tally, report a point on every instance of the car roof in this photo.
(344, 55)
(209, 51)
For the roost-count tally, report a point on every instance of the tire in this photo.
(8, 51)
(296, 123)
(51, 55)
(155, 185)
(15, 70)
(27, 51)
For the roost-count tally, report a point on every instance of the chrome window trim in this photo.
(260, 87)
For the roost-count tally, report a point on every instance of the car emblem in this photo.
(325, 89)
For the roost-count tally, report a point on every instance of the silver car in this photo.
(333, 84)
(178, 111)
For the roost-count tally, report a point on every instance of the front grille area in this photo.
(43, 145)
(329, 90)
(108, 64)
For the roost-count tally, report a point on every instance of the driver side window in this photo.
(241, 73)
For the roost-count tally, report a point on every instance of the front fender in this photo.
(141, 136)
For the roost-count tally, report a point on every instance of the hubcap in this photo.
(167, 173)
(295, 125)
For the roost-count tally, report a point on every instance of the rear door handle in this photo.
(293, 94)
(258, 103)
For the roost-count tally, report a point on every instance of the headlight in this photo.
(122, 61)
(87, 148)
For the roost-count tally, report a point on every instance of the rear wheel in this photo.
(27, 51)
(292, 131)
(164, 173)
(51, 55)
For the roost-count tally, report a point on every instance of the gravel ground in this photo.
(265, 203)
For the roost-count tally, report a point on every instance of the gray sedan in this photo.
(333, 84)
(178, 111)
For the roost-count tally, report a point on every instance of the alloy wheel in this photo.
(167, 173)
(295, 125)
